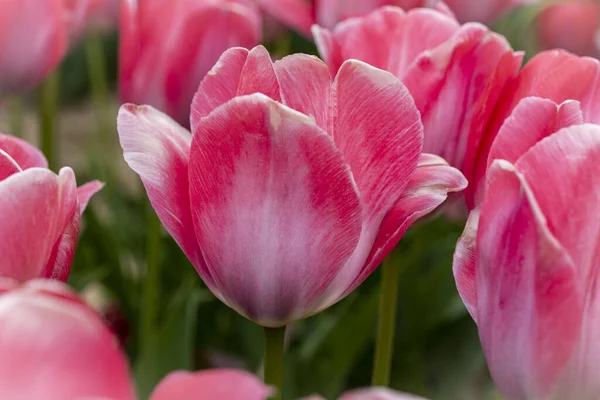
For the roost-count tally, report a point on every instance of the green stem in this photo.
(48, 115)
(98, 83)
(15, 110)
(274, 348)
(384, 347)
(151, 285)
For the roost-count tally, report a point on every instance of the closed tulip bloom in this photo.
(40, 213)
(167, 46)
(377, 393)
(455, 73)
(34, 37)
(526, 264)
(210, 385)
(54, 347)
(571, 25)
(294, 186)
(555, 75)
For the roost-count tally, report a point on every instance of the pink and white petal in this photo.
(529, 302)
(75, 357)
(298, 14)
(85, 193)
(532, 120)
(306, 87)
(210, 385)
(378, 393)
(464, 264)
(219, 85)
(427, 189)
(393, 31)
(157, 149)
(259, 76)
(33, 216)
(378, 130)
(568, 191)
(274, 206)
(203, 36)
(8, 166)
(59, 262)
(25, 155)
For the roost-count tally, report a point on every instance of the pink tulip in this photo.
(455, 73)
(210, 385)
(555, 75)
(293, 186)
(167, 46)
(40, 213)
(572, 25)
(526, 264)
(34, 37)
(54, 347)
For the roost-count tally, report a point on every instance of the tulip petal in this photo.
(157, 148)
(378, 393)
(219, 85)
(37, 206)
(569, 192)
(464, 264)
(210, 385)
(306, 87)
(428, 187)
(378, 130)
(46, 332)
(8, 166)
(529, 306)
(281, 203)
(85, 193)
(25, 155)
(238, 72)
(532, 120)
(59, 262)
(385, 38)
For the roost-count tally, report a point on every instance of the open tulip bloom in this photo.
(526, 264)
(293, 187)
(40, 213)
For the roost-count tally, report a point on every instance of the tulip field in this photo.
(299, 199)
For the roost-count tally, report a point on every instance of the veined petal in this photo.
(274, 206)
(568, 191)
(428, 187)
(529, 305)
(85, 193)
(306, 87)
(157, 148)
(37, 206)
(385, 38)
(59, 262)
(238, 72)
(211, 385)
(47, 332)
(378, 130)
(25, 155)
(464, 264)
(532, 120)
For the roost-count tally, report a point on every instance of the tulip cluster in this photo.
(287, 183)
